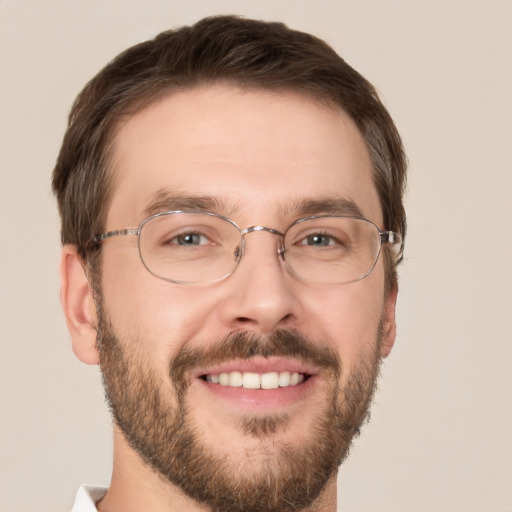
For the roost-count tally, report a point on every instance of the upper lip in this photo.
(257, 364)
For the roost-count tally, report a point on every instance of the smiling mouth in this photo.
(251, 380)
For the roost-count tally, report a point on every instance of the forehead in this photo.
(252, 154)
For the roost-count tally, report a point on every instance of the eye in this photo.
(189, 239)
(319, 240)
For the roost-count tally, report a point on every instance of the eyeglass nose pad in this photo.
(239, 251)
(281, 250)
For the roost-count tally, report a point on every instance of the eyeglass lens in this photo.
(196, 247)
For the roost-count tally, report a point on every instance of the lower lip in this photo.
(261, 399)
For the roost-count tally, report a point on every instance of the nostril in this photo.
(287, 318)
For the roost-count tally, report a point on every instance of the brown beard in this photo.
(162, 433)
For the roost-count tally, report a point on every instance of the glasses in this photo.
(199, 247)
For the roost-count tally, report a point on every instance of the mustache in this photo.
(246, 345)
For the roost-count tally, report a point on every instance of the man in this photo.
(232, 219)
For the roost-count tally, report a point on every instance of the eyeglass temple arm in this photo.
(395, 240)
(117, 232)
(390, 237)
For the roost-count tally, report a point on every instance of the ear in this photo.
(388, 324)
(78, 305)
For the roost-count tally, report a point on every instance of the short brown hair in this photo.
(246, 52)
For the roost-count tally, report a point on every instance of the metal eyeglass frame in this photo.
(385, 237)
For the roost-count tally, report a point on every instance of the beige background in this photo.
(440, 438)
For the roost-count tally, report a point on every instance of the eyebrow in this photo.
(165, 201)
(327, 205)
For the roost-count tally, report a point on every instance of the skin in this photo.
(258, 154)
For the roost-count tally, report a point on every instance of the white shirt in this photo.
(86, 498)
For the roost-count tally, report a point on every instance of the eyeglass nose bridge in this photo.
(252, 229)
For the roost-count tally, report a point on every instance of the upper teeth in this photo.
(250, 380)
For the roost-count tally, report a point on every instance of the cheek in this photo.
(348, 317)
(159, 317)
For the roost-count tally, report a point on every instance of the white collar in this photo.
(87, 497)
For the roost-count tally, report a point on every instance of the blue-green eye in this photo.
(318, 240)
(190, 239)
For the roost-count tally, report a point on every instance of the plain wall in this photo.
(440, 436)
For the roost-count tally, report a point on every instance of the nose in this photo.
(261, 294)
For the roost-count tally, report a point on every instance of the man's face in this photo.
(259, 158)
